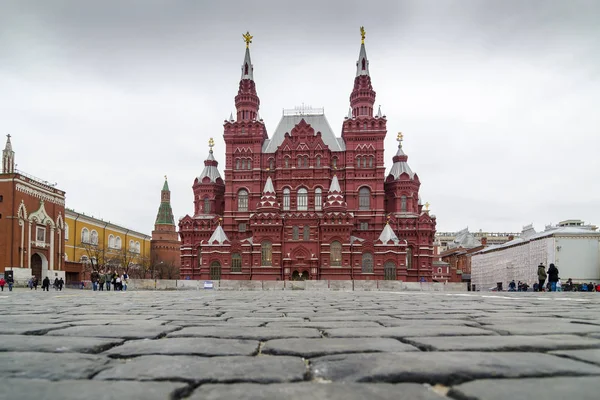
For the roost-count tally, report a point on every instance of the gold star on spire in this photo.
(362, 34)
(247, 38)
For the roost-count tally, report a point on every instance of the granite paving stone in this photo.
(551, 326)
(315, 391)
(115, 331)
(263, 369)
(29, 329)
(407, 331)
(186, 346)
(246, 333)
(50, 366)
(504, 343)
(56, 344)
(579, 388)
(37, 389)
(319, 347)
(324, 324)
(591, 355)
(443, 367)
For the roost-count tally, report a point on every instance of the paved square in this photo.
(298, 345)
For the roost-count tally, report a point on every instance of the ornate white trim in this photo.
(40, 195)
(22, 211)
(60, 223)
(41, 216)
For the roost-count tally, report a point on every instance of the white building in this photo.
(574, 250)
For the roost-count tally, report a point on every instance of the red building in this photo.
(32, 225)
(165, 247)
(303, 203)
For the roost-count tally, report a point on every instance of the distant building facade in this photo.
(305, 203)
(449, 240)
(32, 223)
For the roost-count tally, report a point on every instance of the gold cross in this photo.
(400, 136)
(362, 34)
(247, 38)
(211, 143)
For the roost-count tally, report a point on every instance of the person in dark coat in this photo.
(46, 284)
(553, 277)
(61, 283)
(541, 276)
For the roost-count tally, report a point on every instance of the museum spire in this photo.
(247, 102)
(8, 158)
(362, 97)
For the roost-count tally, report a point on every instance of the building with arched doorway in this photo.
(304, 202)
(31, 223)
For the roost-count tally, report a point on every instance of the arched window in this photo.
(367, 263)
(286, 199)
(299, 161)
(318, 161)
(403, 204)
(246, 67)
(364, 160)
(85, 235)
(118, 242)
(318, 199)
(389, 271)
(286, 162)
(243, 200)
(236, 262)
(408, 258)
(66, 232)
(243, 163)
(295, 233)
(111, 242)
(302, 200)
(271, 164)
(131, 246)
(215, 271)
(371, 162)
(306, 233)
(335, 254)
(137, 247)
(206, 205)
(266, 249)
(306, 162)
(94, 237)
(364, 198)
(249, 164)
(358, 162)
(439, 270)
(237, 163)
(334, 162)
(364, 65)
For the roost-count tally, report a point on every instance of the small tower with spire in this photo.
(247, 102)
(8, 157)
(165, 247)
(362, 97)
(209, 188)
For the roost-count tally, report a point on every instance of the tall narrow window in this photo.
(299, 161)
(318, 161)
(367, 263)
(237, 163)
(94, 238)
(118, 242)
(306, 162)
(266, 253)
(318, 199)
(236, 262)
(403, 204)
(334, 162)
(358, 162)
(364, 160)
(306, 233)
(364, 199)
(85, 235)
(206, 205)
(243, 163)
(111, 241)
(286, 199)
(408, 258)
(243, 200)
(371, 162)
(249, 164)
(335, 256)
(271, 164)
(389, 271)
(295, 232)
(286, 162)
(302, 199)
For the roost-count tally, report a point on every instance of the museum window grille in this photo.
(266, 253)
(389, 271)
(335, 254)
(403, 204)
(215, 271)
(302, 200)
(364, 226)
(286, 199)
(206, 205)
(306, 233)
(243, 200)
(295, 232)
(318, 199)
(367, 263)
(364, 198)
(242, 227)
(236, 262)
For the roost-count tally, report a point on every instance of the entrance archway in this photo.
(296, 275)
(304, 276)
(39, 265)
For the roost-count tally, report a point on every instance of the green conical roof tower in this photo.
(165, 213)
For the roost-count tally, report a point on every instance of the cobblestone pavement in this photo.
(299, 345)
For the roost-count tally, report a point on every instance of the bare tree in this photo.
(166, 270)
(97, 257)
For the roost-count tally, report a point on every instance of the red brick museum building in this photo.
(304, 203)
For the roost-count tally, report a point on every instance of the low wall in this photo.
(324, 285)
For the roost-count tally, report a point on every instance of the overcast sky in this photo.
(498, 100)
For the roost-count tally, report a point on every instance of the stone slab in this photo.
(542, 328)
(246, 333)
(315, 391)
(29, 329)
(579, 388)
(591, 355)
(319, 347)
(56, 344)
(504, 343)
(406, 331)
(324, 324)
(115, 331)
(90, 390)
(447, 368)
(186, 346)
(50, 366)
(263, 369)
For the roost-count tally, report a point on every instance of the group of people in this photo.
(520, 287)
(58, 284)
(9, 280)
(554, 284)
(100, 279)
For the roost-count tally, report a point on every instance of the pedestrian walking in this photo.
(102, 280)
(30, 283)
(2, 283)
(541, 276)
(55, 283)
(46, 284)
(10, 282)
(61, 283)
(35, 282)
(552, 277)
(107, 279)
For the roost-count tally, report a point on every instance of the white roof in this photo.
(335, 185)
(318, 122)
(269, 186)
(401, 167)
(218, 236)
(210, 171)
(388, 234)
